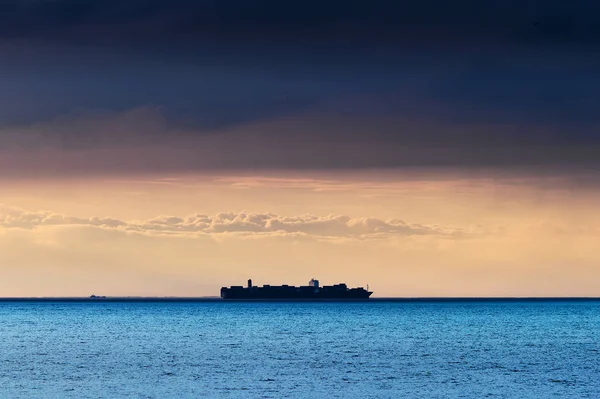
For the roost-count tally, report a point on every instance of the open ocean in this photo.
(422, 349)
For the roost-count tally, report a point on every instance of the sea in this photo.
(378, 349)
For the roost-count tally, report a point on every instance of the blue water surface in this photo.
(470, 349)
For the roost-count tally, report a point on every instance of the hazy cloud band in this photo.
(242, 224)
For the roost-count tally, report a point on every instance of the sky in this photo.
(424, 148)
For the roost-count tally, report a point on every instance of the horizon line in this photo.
(219, 299)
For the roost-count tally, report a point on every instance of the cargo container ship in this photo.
(312, 292)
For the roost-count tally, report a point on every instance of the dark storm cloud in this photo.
(139, 21)
(182, 85)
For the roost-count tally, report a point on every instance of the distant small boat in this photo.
(97, 297)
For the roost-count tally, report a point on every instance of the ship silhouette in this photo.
(312, 291)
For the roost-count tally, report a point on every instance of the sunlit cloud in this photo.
(246, 224)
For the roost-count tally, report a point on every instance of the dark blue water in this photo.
(319, 350)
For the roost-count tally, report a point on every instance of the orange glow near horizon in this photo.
(404, 235)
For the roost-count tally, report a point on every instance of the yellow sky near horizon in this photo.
(404, 235)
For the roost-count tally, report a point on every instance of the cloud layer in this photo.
(243, 224)
(163, 86)
(141, 141)
(143, 22)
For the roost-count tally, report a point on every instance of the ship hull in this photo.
(328, 293)
(297, 297)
